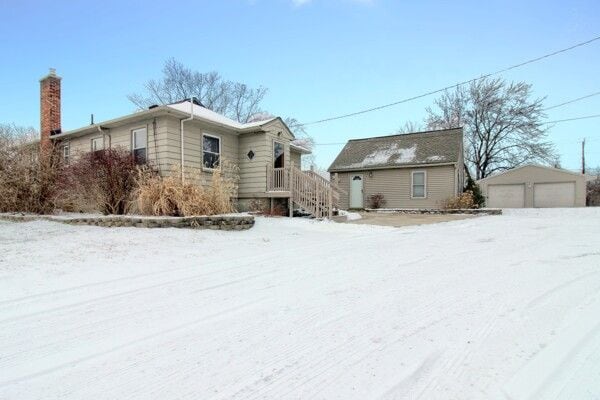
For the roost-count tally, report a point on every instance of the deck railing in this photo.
(307, 189)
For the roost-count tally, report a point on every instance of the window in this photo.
(278, 155)
(66, 153)
(419, 187)
(97, 144)
(211, 151)
(139, 141)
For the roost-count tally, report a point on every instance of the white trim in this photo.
(202, 149)
(412, 184)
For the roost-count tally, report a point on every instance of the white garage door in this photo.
(506, 196)
(554, 194)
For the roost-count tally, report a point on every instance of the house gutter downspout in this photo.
(191, 117)
(101, 130)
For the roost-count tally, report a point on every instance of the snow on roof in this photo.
(209, 115)
(395, 151)
(390, 155)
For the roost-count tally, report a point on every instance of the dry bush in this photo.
(170, 196)
(102, 181)
(376, 200)
(464, 200)
(593, 193)
(28, 174)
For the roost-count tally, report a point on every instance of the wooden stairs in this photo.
(307, 190)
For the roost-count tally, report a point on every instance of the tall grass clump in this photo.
(196, 195)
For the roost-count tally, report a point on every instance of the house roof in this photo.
(211, 116)
(402, 150)
(180, 110)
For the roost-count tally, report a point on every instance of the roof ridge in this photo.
(429, 132)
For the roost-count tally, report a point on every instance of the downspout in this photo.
(101, 130)
(191, 117)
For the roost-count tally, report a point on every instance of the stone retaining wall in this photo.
(213, 222)
(476, 211)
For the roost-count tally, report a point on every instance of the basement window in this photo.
(211, 151)
(139, 140)
(419, 185)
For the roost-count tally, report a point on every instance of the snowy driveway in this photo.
(490, 307)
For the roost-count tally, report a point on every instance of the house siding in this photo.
(296, 158)
(531, 175)
(395, 185)
(121, 138)
(253, 181)
(164, 148)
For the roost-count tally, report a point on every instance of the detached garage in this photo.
(534, 186)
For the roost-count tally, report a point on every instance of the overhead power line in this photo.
(572, 101)
(545, 123)
(573, 119)
(533, 60)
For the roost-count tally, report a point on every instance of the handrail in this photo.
(307, 189)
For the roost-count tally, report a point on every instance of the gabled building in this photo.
(414, 170)
(190, 136)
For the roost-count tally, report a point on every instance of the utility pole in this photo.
(583, 156)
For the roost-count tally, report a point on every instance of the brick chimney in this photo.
(49, 107)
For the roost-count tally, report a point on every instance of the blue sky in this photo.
(318, 58)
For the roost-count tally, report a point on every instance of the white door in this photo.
(554, 194)
(356, 191)
(506, 196)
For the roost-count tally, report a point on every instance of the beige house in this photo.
(534, 186)
(190, 137)
(412, 171)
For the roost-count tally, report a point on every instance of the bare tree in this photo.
(503, 127)
(236, 100)
(410, 126)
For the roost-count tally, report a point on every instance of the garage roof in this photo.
(510, 171)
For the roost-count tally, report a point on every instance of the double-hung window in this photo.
(211, 151)
(139, 140)
(419, 185)
(66, 153)
(97, 144)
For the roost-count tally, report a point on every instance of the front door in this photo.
(356, 191)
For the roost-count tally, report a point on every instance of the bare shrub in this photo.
(102, 181)
(170, 196)
(463, 201)
(593, 193)
(28, 174)
(376, 200)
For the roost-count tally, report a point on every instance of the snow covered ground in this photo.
(486, 308)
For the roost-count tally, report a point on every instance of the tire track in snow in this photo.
(122, 346)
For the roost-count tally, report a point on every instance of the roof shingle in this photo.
(397, 151)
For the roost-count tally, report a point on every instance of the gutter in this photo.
(358, 169)
(191, 117)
